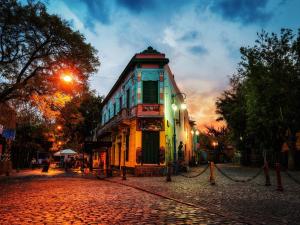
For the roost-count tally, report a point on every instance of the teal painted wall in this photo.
(108, 108)
(134, 87)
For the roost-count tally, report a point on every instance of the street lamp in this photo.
(194, 133)
(214, 143)
(174, 107)
(67, 77)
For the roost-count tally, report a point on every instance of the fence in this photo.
(103, 173)
(264, 168)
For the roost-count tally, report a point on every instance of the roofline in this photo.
(135, 60)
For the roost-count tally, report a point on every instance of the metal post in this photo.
(212, 175)
(169, 170)
(266, 170)
(279, 184)
(174, 147)
(124, 160)
(124, 173)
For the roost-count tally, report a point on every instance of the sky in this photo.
(201, 38)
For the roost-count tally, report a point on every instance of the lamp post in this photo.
(175, 108)
(194, 133)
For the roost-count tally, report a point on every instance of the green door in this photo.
(150, 147)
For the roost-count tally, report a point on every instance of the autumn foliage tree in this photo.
(36, 48)
(79, 117)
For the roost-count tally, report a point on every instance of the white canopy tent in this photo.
(65, 152)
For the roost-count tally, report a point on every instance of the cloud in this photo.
(189, 36)
(91, 11)
(245, 11)
(137, 6)
(198, 50)
(182, 30)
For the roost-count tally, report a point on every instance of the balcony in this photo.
(150, 110)
(121, 119)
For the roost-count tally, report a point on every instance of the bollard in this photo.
(266, 170)
(109, 172)
(124, 173)
(212, 175)
(169, 170)
(279, 184)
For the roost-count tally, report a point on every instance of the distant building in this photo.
(7, 126)
(7, 135)
(138, 118)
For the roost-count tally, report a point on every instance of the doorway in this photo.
(150, 147)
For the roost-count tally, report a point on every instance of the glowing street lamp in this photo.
(197, 132)
(59, 127)
(174, 107)
(214, 143)
(183, 106)
(68, 78)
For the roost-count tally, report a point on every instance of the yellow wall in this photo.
(135, 141)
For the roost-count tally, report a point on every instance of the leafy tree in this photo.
(231, 106)
(36, 48)
(32, 136)
(79, 117)
(215, 139)
(266, 97)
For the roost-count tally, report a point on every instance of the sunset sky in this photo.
(201, 38)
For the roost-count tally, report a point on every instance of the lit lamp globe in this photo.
(197, 132)
(67, 78)
(183, 106)
(174, 107)
(192, 132)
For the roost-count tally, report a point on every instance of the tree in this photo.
(32, 136)
(216, 140)
(267, 94)
(36, 48)
(231, 106)
(79, 118)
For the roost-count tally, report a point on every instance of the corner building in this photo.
(138, 119)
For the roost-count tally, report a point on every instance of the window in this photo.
(115, 110)
(128, 99)
(120, 103)
(150, 92)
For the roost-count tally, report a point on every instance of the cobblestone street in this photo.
(69, 198)
(252, 201)
(84, 201)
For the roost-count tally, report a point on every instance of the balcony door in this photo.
(150, 147)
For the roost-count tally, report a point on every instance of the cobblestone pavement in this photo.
(89, 201)
(253, 201)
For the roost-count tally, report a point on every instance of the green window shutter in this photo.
(150, 92)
